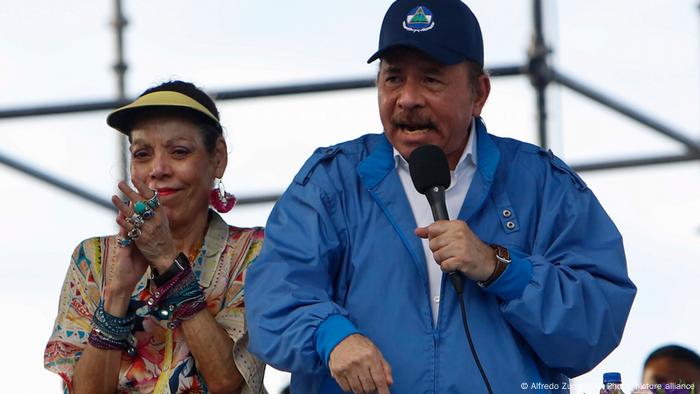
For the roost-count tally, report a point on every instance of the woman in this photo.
(159, 307)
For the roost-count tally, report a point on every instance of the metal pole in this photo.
(55, 181)
(120, 70)
(626, 110)
(638, 162)
(539, 71)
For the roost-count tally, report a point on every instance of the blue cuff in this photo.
(330, 333)
(511, 284)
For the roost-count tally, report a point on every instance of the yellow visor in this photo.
(121, 118)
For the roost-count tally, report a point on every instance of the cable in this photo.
(456, 280)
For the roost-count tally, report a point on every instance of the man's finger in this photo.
(342, 382)
(422, 232)
(367, 380)
(450, 264)
(379, 377)
(439, 242)
(355, 384)
(438, 228)
(387, 372)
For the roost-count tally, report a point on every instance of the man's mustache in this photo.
(412, 121)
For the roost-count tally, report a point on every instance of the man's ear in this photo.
(483, 88)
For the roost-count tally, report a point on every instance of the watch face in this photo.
(182, 261)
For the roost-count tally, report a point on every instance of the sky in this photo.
(640, 52)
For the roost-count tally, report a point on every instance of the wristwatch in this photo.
(178, 265)
(502, 261)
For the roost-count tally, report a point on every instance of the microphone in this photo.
(430, 174)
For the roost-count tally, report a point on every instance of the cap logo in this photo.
(419, 19)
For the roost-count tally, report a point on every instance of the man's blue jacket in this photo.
(340, 256)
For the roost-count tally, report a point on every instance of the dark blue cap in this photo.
(612, 377)
(445, 30)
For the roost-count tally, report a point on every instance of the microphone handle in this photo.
(436, 199)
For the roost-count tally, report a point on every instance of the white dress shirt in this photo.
(460, 180)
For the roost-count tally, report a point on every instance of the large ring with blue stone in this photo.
(153, 202)
(140, 207)
(135, 220)
(148, 214)
(123, 242)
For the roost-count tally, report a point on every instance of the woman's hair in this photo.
(210, 129)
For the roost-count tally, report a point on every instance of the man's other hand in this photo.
(358, 366)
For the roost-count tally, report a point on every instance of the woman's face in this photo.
(168, 155)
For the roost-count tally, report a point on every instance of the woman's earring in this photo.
(219, 199)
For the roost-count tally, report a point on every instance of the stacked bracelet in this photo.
(112, 333)
(179, 298)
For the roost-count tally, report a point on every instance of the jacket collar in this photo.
(489, 157)
(378, 173)
(204, 266)
(380, 162)
(487, 151)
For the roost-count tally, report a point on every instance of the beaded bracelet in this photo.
(112, 333)
(178, 299)
(116, 327)
(98, 339)
(186, 311)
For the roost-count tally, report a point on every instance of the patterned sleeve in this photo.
(80, 295)
(231, 316)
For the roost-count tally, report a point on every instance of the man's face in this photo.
(423, 102)
(669, 370)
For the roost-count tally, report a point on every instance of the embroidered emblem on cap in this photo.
(419, 19)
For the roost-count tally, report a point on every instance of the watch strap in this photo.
(502, 261)
(178, 265)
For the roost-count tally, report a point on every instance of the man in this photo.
(672, 364)
(349, 291)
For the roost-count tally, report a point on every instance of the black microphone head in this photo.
(428, 167)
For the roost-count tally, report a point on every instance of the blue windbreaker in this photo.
(340, 256)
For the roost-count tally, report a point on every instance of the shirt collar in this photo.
(204, 266)
(468, 157)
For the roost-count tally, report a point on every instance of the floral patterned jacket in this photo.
(163, 363)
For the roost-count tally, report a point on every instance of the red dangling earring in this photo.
(219, 199)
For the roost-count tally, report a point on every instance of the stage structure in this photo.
(537, 69)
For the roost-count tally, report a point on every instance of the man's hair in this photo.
(675, 352)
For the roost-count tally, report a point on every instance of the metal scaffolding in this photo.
(537, 68)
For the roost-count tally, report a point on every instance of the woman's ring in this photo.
(148, 214)
(140, 207)
(134, 233)
(153, 202)
(135, 220)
